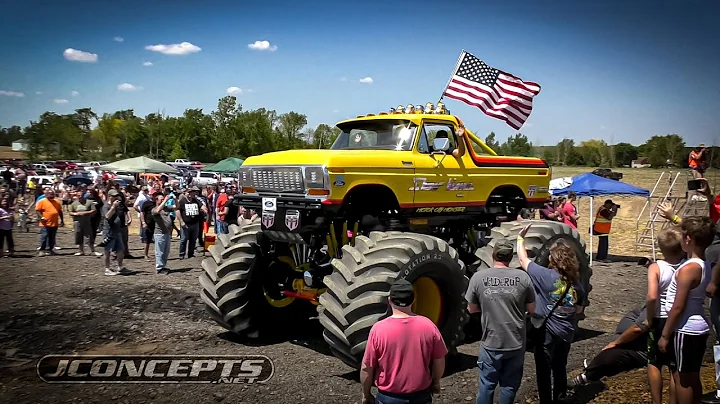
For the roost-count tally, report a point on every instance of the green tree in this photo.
(625, 153)
(492, 143)
(563, 150)
(667, 150)
(290, 126)
(9, 135)
(596, 153)
(517, 145)
(549, 155)
(323, 137)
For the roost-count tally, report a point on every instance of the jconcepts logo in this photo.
(155, 369)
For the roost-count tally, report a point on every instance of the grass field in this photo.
(624, 230)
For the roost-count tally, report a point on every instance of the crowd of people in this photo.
(103, 211)
(536, 306)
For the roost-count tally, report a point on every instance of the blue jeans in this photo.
(47, 238)
(500, 367)
(188, 239)
(221, 227)
(162, 250)
(421, 397)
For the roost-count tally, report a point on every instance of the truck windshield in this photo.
(380, 134)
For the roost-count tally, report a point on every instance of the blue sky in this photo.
(614, 70)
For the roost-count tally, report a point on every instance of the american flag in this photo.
(498, 94)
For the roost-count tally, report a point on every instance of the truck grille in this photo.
(281, 179)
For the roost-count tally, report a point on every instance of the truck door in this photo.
(439, 178)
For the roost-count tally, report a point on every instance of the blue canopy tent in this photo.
(591, 185)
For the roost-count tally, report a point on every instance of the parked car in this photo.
(204, 178)
(608, 173)
(64, 165)
(44, 168)
(125, 176)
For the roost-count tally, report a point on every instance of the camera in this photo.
(616, 206)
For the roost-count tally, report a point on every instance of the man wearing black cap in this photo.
(502, 295)
(188, 210)
(405, 354)
(601, 227)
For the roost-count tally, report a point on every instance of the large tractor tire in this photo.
(540, 238)
(358, 289)
(226, 289)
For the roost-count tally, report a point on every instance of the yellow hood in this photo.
(329, 158)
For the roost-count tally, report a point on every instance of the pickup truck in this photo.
(204, 178)
(608, 173)
(185, 163)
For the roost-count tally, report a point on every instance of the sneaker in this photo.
(41, 253)
(585, 364)
(163, 271)
(58, 248)
(97, 254)
(123, 271)
(578, 380)
(110, 272)
(77, 254)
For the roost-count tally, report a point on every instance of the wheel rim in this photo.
(428, 299)
(270, 289)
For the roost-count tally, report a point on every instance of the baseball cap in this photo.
(402, 293)
(503, 250)
(113, 192)
(609, 201)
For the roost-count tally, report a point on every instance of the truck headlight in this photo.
(244, 177)
(314, 177)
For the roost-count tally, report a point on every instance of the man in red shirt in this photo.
(399, 354)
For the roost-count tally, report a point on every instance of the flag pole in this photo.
(457, 65)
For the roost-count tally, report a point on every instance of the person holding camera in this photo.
(601, 227)
(115, 216)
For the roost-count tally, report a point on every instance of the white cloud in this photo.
(262, 46)
(80, 56)
(11, 93)
(343, 78)
(38, 93)
(147, 64)
(118, 39)
(234, 90)
(128, 87)
(175, 49)
(74, 93)
(366, 80)
(61, 101)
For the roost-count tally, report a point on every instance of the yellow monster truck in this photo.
(408, 193)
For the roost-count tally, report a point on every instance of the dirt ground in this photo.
(64, 305)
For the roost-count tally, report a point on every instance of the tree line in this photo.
(660, 151)
(230, 130)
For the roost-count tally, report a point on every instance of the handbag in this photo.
(538, 323)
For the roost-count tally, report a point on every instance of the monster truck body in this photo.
(397, 195)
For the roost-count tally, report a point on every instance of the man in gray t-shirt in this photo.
(502, 295)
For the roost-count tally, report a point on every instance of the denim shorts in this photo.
(115, 243)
